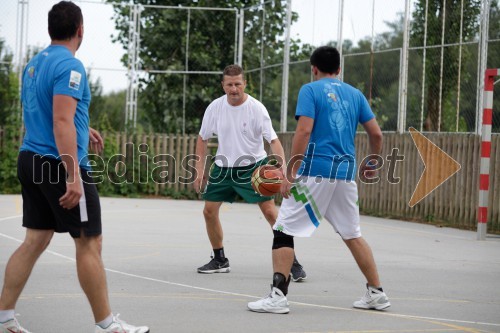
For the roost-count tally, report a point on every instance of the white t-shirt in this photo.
(239, 129)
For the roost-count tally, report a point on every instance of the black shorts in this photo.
(43, 182)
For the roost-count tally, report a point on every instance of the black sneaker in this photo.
(298, 273)
(215, 266)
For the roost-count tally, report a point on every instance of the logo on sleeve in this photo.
(31, 71)
(74, 80)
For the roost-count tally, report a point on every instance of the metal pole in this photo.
(262, 52)
(314, 19)
(131, 29)
(404, 76)
(441, 67)
(240, 41)
(371, 54)
(184, 78)
(423, 67)
(484, 173)
(236, 24)
(286, 68)
(459, 63)
(22, 36)
(136, 63)
(339, 36)
(133, 59)
(483, 53)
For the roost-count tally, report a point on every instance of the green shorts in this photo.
(225, 184)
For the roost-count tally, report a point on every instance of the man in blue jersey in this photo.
(58, 193)
(328, 113)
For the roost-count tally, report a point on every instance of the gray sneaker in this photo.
(275, 302)
(215, 266)
(373, 299)
(298, 273)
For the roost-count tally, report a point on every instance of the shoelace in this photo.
(269, 294)
(368, 297)
(119, 321)
(20, 329)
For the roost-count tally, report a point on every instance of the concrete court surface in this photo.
(437, 279)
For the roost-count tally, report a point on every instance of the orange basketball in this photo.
(266, 180)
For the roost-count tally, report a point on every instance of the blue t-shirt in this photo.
(336, 108)
(54, 71)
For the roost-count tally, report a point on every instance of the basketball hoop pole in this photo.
(484, 177)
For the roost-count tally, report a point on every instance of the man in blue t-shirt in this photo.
(58, 192)
(328, 114)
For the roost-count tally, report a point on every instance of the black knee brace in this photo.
(282, 240)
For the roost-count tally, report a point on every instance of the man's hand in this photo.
(199, 184)
(285, 188)
(96, 141)
(369, 170)
(73, 193)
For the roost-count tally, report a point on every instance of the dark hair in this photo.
(233, 70)
(326, 58)
(64, 20)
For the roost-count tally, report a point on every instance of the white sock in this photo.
(106, 322)
(6, 315)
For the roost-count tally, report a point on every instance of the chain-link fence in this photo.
(419, 62)
(420, 66)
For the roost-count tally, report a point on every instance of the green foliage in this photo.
(126, 168)
(9, 150)
(469, 31)
(8, 85)
(107, 111)
(10, 116)
(211, 48)
(376, 75)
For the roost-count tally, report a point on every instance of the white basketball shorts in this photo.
(310, 201)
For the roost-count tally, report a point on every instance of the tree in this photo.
(10, 121)
(211, 48)
(9, 86)
(470, 24)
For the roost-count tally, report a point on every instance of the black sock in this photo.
(280, 282)
(219, 254)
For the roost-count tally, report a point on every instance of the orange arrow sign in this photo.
(438, 167)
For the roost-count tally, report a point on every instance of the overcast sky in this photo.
(318, 24)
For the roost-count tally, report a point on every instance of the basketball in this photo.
(266, 180)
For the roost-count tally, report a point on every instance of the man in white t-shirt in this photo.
(240, 123)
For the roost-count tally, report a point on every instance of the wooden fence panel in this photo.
(454, 202)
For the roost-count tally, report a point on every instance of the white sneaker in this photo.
(119, 326)
(275, 302)
(12, 326)
(373, 299)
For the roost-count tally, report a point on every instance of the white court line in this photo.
(10, 217)
(257, 297)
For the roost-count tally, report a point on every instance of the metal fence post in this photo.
(286, 68)
(240, 39)
(483, 55)
(404, 75)
(484, 176)
(340, 41)
(133, 65)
